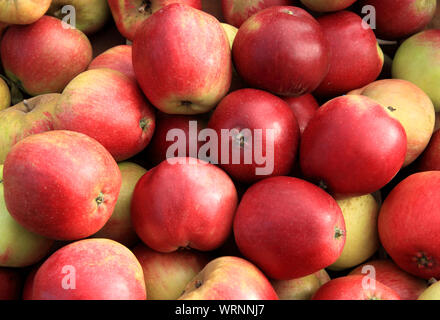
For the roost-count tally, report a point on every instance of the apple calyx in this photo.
(145, 7)
(100, 199)
(423, 260)
(339, 233)
(392, 109)
(144, 123)
(198, 284)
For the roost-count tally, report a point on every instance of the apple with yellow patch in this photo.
(22, 11)
(300, 288)
(5, 95)
(327, 5)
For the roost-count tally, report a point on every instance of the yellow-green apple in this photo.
(431, 293)
(430, 158)
(281, 222)
(354, 287)
(410, 207)
(417, 61)
(229, 278)
(130, 14)
(300, 288)
(91, 269)
(304, 108)
(163, 212)
(231, 32)
(5, 95)
(22, 11)
(327, 5)
(119, 227)
(185, 68)
(61, 184)
(90, 15)
(236, 12)
(286, 31)
(190, 126)
(410, 106)
(362, 241)
(386, 272)
(167, 274)
(397, 20)
(278, 136)
(10, 284)
(351, 47)
(18, 246)
(26, 118)
(116, 58)
(344, 146)
(38, 64)
(109, 107)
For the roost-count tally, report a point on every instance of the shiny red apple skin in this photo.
(184, 202)
(117, 58)
(430, 158)
(301, 61)
(289, 227)
(355, 58)
(304, 108)
(61, 184)
(409, 222)
(352, 146)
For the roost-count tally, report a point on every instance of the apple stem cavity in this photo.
(100, 199)
(198, 283)
(186, 103)
(145, 7)
(392, 109)
(144, 124)
(338, 233)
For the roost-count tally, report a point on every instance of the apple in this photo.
(109, 107)
(435, 22)
(28, 288)
(229, 278)
(231, 32)
(184, 68)
(184, 203)
(354, 288)
(90, 15)
(410, 106)
(167, 274)
(430, 158)
(301, 61)
(397, 20)
(362, 240)
(386, 272)
(158, 149)
(327, 5)
(352, 47)
(352, 146)
(130, 14)
(255, 110)
(416, 61)
(28, 117)
(91, 269)
(119, 227)
(304, 108)
(431, 293)
(70, 184)
(289, 227)
(117, 58)
(38, 64)
(5, 95)
(409, 223)
(10, 284)
(300, 288)
(23, 11)
(236, 12)
(18, 246)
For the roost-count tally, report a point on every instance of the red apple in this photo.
(354, 288)
(301, 61)
(91, 269)
(229, 278)
(167, 274)
(184, 202)
(159, 146)
(109, 107)
(38, 64)
(355, 56)
(130, 14)
(289, 227)
(236, 12)
(60, 184)
(185, 68)
(304, 108)
(10, 284)
(397, 20)
(430, 158)
(352, 146)
(254, 110)
(386, 272)
(327, 5)
(28, 288)
(409, 224)
(117, 58)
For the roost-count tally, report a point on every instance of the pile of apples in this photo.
(94, 205)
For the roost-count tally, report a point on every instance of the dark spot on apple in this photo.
(338, 233)
(241, 141)
(144, 124)
(1, 181)
(145, 7)
(100, 199)
(198, 284)
(392, 109)
(186, 103)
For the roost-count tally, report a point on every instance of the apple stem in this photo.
(26, 104)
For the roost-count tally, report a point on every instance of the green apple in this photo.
(18, 246)
(431, 293)
(5, 95)
(231, 32)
